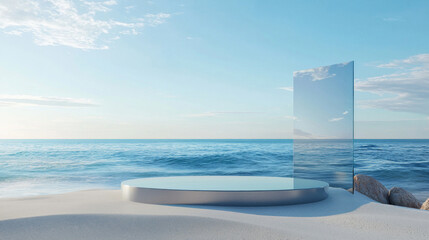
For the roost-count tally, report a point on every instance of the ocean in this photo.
(36, 167)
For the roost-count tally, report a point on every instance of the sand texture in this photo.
(102, 214)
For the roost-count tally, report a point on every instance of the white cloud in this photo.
(420, 59)
(156, 19)
(94, 7)
(319, 73)
(409, 86)
(316, 74)
(336, 119)
(74, 24)
(290, 89)
(29, 100)
(14, 32)
(214, 114)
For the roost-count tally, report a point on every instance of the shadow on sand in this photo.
(339, 201)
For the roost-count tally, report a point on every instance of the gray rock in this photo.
(425, 205)
(401, 197)
(372, 188)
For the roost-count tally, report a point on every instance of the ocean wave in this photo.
(45, 167)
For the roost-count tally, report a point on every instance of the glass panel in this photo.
(323, 125)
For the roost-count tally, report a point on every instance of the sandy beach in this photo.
(102, 214)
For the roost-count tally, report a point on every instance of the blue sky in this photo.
(205, 69)
(323, 102)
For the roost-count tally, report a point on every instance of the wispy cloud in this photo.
(14, 32)
(155, 19)
(74, 24)
(420, 60)
(289, 89)
(409, 86)
(29, 100)
(339, 118)
(336, 119)
(319, 73)
(103, 6)
(214, 114)
(316, 74)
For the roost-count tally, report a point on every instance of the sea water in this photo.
(35, 167)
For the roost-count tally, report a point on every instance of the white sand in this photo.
(102, 214)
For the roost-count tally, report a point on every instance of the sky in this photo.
(205, 69)
(323, 102)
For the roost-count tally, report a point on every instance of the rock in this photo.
(372, 188)
(401, 197)
(425, 205)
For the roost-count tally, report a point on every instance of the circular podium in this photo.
(224, 190)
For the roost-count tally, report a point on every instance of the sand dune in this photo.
(102, 214)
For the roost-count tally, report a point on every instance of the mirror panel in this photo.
(323, 124)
